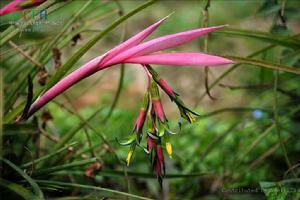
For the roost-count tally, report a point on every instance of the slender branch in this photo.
(24, 54)
(260, 87)
(233, 109)
(277, 125)
(206, 69)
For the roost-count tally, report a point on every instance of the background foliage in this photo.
(245, 144)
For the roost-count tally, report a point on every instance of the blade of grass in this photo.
(233, 109)
(24, 54)
(46, 157)
(262, 36)
(18, 87)
(265, 64)
(49, 170)
(88, 187)
(18, 189)
(117, 173)
(38, 192)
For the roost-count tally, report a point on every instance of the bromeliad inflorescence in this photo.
(144, 54)
(158, 132)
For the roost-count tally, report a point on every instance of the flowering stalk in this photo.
(185, 112)
(18, 5)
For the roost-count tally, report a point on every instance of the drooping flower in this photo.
(156, 102)
(138, 128)
(156, 152)
(159, 163)
(185, 112)
(18, 5)
(137, 133)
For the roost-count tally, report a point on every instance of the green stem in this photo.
(50, 155)
(277, 124)
(46, 171)
(264, 64)
(95, 188)
(233, 109)
(122, 71)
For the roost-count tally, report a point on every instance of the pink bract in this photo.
(131, 51)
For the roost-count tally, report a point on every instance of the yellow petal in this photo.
(130, 154)
(191, 118)
(169, 149)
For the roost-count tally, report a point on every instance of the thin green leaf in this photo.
(263, 36)
(18, 189)
(88, 187)
(46, 157)
(265, 64)
(50, 170)
(38, 192)
(116, 173)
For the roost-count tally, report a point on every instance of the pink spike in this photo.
(77, 75)
(133, 41)
(164, 42)
(179, 59)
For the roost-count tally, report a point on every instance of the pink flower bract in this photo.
(132, 51)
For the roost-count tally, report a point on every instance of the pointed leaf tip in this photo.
(131, 42)
(180, 59)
